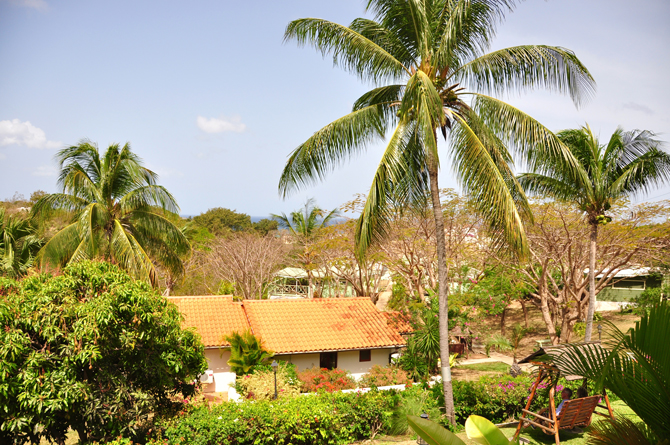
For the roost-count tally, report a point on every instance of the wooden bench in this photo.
(575, 412)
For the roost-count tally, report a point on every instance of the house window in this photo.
(629, 284)
(364, 355)
(328, 360)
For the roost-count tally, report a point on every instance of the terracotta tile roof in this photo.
(399, 321)
(328, 324)
(212, 316)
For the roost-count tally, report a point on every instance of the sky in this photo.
(212, 99)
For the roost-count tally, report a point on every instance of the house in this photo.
(625, 286)
(214, 317)
(347, 333)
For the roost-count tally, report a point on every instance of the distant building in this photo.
(625, 286)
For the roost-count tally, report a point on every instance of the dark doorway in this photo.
(328, 360)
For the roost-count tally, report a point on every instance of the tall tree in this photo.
(428, 59)
(303, 225)
(629, 164)
(119, 213)
(19, 243)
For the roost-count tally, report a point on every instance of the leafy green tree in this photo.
(246, 352)
(220, 221)
(19, 243)
(629, 164)
(92, 350)
(119, 212)
(265, 226)
(428, 61)
(635, 366)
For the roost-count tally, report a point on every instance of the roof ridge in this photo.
(174, 297)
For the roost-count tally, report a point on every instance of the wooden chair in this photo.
(575, 412)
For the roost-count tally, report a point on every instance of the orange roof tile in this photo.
(328, 324)
(399, 321)
(212, 316)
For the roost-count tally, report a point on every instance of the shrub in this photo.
(246, 352)
(261, 384)
(414, 401)
(322, 379)
(500, 398)
(91, 350)
(319, 419)
(383, 376)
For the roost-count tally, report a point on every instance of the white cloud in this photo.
(638, 107)
(15, 132)
(44, 170)
(3, 156)
(220, 125)
(40, 5)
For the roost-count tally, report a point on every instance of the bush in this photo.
(383, 376)
(91, 350)
(643, 303)
(322, 379)
(500, 398)
(261, 384)
(414, 401)
(318, 419)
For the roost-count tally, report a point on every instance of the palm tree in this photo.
(246, 352)
(629, 164)
(116, 206)
(19, 243)
(636, 367)
(429, 60)
(303, 225)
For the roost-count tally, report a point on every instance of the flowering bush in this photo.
(383, 376)
(260, 384)
(322, 379)
(500, 398)
(319, 419)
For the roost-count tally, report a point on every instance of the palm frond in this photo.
(60, 248)
(148, 196)
(129, 254)
(331, 145)
(349, 49)
(479, 172)
(528, 67)
(401, 178)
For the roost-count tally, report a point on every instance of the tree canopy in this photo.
(119, 213)
(92, 350)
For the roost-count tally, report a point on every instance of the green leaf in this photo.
(484, 431)
(433, 433)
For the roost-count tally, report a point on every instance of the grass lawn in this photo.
(486, 367)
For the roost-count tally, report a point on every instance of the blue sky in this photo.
(212, 99)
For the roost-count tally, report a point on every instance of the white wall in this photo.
(347, 360)
(218, 363)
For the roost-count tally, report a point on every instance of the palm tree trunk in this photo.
(592, 282)
(443, 292)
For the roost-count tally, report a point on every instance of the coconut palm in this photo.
(428, 61)
(629, 164)
(19, 243)
(304, 223)
(120, 213)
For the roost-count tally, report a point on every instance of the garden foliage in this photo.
(90, 350)
(312, 419)
(322, 379)
(261, 384)
(383, 376)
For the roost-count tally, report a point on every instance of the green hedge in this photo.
(315, 419)
(500, 398)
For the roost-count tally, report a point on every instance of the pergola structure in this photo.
(575, 412)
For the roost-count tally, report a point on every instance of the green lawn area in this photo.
(486, 367)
